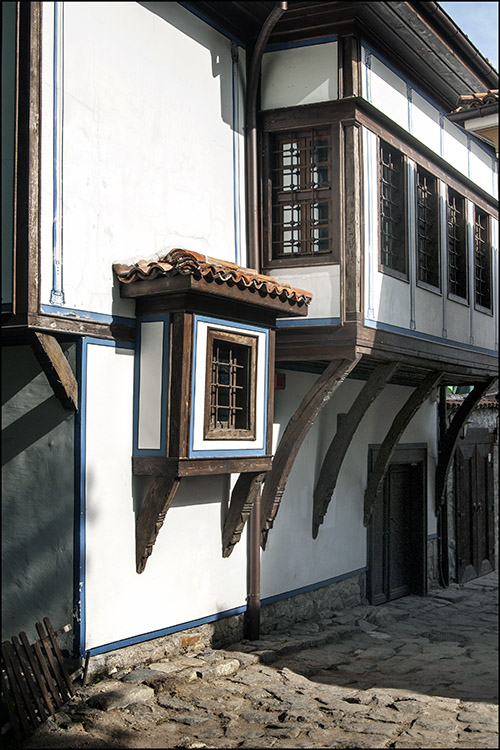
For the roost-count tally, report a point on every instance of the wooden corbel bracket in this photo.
(449, 440)
(332, 463)
(152, 515)
(296, 430)
(56, 367)
(399, 425)
(243, 496)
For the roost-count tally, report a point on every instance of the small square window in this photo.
(230, 386)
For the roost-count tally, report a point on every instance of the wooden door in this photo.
(397, 535)
(474, 511)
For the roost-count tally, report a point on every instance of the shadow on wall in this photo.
(37, 498)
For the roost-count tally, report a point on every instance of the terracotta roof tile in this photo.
(469, 102)
(454, 401)
(187, 262)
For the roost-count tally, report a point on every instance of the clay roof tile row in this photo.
(189, 263)
(469, 102)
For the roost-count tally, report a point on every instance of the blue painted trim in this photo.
(426, 337)
(161, 451)
(312, 586)
(230, 452)
(57, 293)
(165, 631)
(439, 109)
(303, 43)
(88, 317)
(80, 469)
(308, 322)
(211, 23)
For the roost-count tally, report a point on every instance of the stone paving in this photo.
(414, 673)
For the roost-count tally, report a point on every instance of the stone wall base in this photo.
(319, 604)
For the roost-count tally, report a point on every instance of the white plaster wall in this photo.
(301, 75)
(391, 298)
(186, 576)
(428, 312)
(455, 149)
(425, 122)
(148, 144)
(322, 281)
(341, 543)
(388, 92)
(458, 321)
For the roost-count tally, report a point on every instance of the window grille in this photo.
(427, 229)
(457, 249)
(230, 391)
(302, 183)
(482, 259)
(392, 209)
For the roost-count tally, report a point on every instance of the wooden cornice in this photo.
(296, 430)
(242, 499)
(339, 446)
(449, 440)
(399, 425)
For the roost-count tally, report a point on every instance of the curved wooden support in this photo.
(151, 516)
(297, 428)
(56, 367)
(242, 499)
(335, 454)
(450, 438)
(400, 423)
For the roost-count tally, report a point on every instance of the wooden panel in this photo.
(152, 515)
(297, 428)
(242, 499)
(339, 446)
(400, 423)
(180, 384)
(172, 467)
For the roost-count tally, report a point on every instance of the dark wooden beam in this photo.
(450, 438)
(151, 516)
(242, 499)
(56, 367)
(297, 428)
(400, 423)
(335, 454)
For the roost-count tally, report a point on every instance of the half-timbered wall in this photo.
(141, 146)
(341, 545)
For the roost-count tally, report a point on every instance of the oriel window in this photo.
(392, 210)
(427, 229)
(301, 194)
(231, 386)
(482, 259)
(457, 246)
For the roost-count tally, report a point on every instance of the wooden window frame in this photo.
(487, 266)
(332, 195)
(431, 241)
(397, 273)
(251, 343)
(460, 249)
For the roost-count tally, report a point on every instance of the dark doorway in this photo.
(397, 532)
(474, 506)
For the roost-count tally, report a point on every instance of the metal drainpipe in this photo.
(252, 625)
(251, 134)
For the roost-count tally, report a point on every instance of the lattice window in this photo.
(302, 190)
(231, 384)
(427, 229)
(392, 209)
(482, 259)
(457, 248)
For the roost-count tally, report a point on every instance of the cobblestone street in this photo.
(415, 673)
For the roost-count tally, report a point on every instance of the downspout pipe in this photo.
(251, 134)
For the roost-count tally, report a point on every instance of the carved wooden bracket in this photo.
(151, 516)
(400, 423)
(242, 499)
(297, 428)
(56, 367)
(450, 438)
(335, 454)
